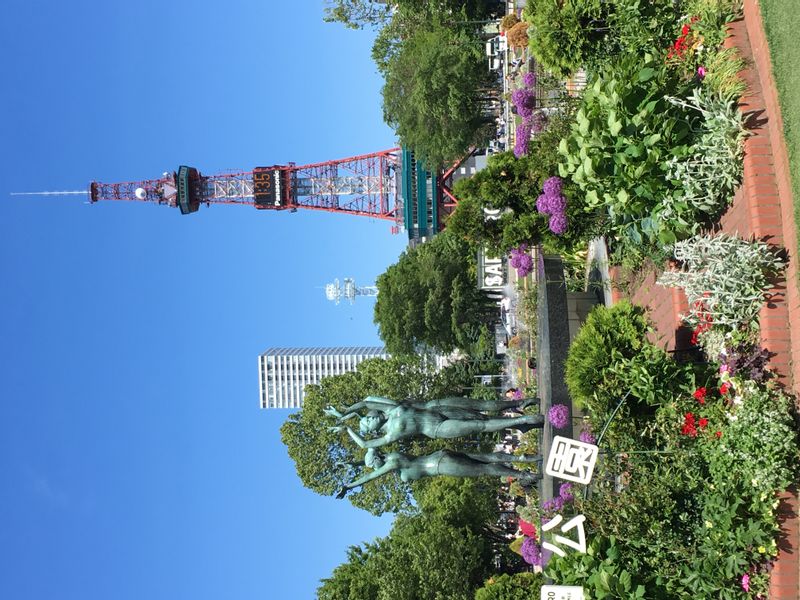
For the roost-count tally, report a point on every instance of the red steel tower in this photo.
(364, 185)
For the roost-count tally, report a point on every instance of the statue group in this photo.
(443, 418)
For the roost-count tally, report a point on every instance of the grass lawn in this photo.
(782, 24)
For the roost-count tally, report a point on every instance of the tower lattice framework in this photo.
(365, 185)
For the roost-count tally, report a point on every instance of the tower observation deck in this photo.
(365, 185)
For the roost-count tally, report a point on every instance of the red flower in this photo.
(724, 388)
(718, 434)
(688, 419)
(700, 395)
(689, 429)
(702, 422)
(685, 29)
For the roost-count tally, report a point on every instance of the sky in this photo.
(134, 458)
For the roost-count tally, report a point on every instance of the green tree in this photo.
(440, 551)
(437, 85)
(429, 298)
(357, 14)
(355, 579)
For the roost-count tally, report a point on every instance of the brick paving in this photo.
(762, 209)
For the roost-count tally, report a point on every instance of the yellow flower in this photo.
(761, 549)
(709, 524)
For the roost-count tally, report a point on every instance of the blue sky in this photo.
(134, 458)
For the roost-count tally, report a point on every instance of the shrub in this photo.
(723, 276)
(709, 176)
(565, 34)
(570, 34)
(520, 586)
(607, 336)
(722, 70)
(758, 441)
(518, 35)
(617, 151)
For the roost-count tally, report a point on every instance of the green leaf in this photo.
(646, 74)
(652, 139)
(591, 198)
(622, 196)
(587, 167)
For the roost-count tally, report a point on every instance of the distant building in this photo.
(283, 373)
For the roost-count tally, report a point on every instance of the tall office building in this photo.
(283, 373)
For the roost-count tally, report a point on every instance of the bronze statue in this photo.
(441, 418)
(444, 462)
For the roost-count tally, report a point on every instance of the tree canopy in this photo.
(439, 551)
(437, 82)
(430, 298)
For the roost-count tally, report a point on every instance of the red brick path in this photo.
(763, 209)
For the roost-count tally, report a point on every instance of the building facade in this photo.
(283, 373)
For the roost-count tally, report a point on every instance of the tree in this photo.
(356, 14)
(321, 457)
(429, 298)
(355, 579)
(437, 85)
(439, 551)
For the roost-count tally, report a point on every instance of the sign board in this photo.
(571, 460)
(267, 187)
(492, 272)
(562, 592)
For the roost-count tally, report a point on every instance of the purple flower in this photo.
(558, 223)
(517, 395)
(701, 72)
(552, 186)
(525, 101)
(558, 204)
(524, 265)
(558, 415)
(523, 136)
(543, 204)
(565, 492)
(553, 505)
(531, 552)
(587, 437)
(529, 79)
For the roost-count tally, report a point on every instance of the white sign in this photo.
(573, 523)
(562, 592)
(571, 460)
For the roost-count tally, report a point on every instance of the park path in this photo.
(762, 209)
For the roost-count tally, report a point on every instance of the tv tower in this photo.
(335, 292)
(365, 185)
(389, 184)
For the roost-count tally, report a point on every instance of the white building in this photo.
(283, 373)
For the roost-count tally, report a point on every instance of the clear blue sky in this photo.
(134, 459)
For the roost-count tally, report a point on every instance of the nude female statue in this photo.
(441, 418)
(444, 462)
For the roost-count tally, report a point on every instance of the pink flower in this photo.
(723, 368)
(746, 582)
(701, 72)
